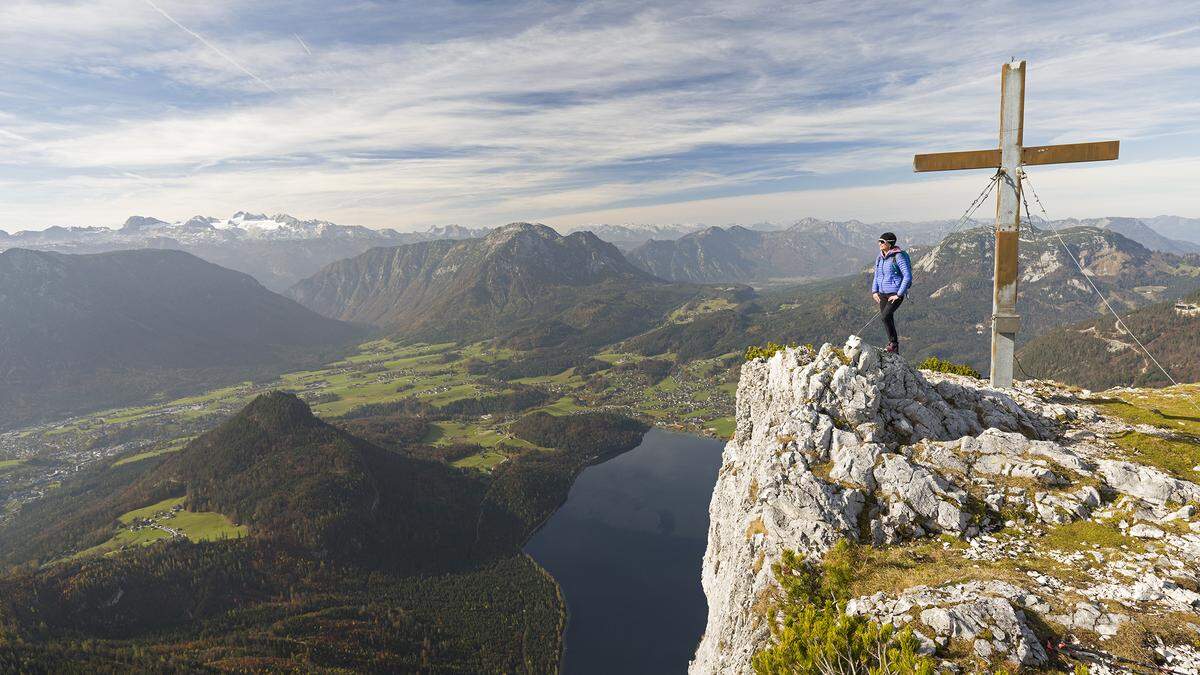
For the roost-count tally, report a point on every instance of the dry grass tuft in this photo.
(757, 526)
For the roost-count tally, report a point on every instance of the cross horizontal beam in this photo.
(1031, 156)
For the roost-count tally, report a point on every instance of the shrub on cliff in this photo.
(941, 366)
(811, 632)
(756, 352)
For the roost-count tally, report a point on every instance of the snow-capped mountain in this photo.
(277, 250)
(246, 225)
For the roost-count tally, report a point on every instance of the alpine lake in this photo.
(626, 549)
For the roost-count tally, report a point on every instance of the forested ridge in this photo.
(362, 554)
(1100, 353)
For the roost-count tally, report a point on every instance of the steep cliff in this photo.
(998, 525)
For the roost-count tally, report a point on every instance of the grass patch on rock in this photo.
(1086, 535)
(1176, 455)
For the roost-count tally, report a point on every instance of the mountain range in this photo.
(281, 250)
(818, 249)
(1176, 227)
(108, 328)
(522, 282)
(277, 250)
(632, 235)
(1137, 230)
(808, 249)
(946, 313)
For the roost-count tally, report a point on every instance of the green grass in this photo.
(454, 393)
(668, 383)
(565, 377)
(563, 406)
(1174, 408)
(147, 511)
(724, 425)
(446, 433)
(7, 465)
(353, 396)
(1082, 534)
(619, 357)
(485, 352)
(196, 526)
(162, 449)
(1176, 456)
(484, 461)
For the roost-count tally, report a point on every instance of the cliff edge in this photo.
(1025, 528)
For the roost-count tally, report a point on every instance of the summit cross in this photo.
(1008, 159)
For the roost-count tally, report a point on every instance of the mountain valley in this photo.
(375, 484)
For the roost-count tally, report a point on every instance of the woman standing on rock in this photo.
(893, 276)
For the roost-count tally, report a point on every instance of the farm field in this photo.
(165, 520)
(696, 397)
(174, 445)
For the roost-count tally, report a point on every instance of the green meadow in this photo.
(196, 526)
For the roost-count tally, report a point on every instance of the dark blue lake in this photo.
(626, 547)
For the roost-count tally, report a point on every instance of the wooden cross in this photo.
(1009, 158)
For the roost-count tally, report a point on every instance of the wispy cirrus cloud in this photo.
(390, 114)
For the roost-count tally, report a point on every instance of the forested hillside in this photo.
(1102, 353)
(354, 555)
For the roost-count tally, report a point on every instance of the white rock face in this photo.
(854, 443)
(982, 612)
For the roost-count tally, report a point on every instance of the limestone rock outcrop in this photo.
(852, 443)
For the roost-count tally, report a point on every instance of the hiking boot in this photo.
(892, 347)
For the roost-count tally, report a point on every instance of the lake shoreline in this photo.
(677, 471)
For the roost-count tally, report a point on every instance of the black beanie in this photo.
(889, 237)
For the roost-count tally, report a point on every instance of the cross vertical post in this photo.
(1008, 159)
(1005, 321)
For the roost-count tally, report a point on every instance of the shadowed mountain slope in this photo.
(82, 331)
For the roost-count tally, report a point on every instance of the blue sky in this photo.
(408, 114)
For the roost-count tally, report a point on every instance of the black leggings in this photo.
(886, 310)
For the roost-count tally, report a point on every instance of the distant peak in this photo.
(278, 410)
(246, 215)
(135, 223)
(515, 229)
(200, 222)
(809, 221)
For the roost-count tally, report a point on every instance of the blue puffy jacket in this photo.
(893, 273)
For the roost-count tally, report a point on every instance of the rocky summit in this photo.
(1004, 528)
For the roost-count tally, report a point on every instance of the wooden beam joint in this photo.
(1032, 156)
